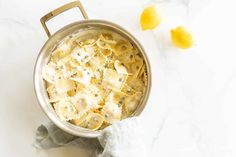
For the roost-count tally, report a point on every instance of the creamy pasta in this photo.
(95, 79)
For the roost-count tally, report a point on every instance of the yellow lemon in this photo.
(181, 38)
(150, 18)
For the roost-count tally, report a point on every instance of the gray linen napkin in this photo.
(50, 136)
(122, 139)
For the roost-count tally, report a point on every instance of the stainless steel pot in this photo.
(53, 40)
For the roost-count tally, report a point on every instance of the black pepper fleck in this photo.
(106, 66)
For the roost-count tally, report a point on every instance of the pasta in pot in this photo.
(95, 79)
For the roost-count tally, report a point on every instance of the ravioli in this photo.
(95, 79)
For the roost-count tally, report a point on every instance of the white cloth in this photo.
(124, 139)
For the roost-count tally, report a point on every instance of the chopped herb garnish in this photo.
(106, 66)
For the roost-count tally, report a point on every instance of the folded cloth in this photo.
(122, 139)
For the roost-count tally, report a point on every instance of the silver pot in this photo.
(53, 40)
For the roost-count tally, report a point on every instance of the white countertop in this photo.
(192, 102)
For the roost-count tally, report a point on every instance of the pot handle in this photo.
(60, 10)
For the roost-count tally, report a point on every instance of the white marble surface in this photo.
(192, 104)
